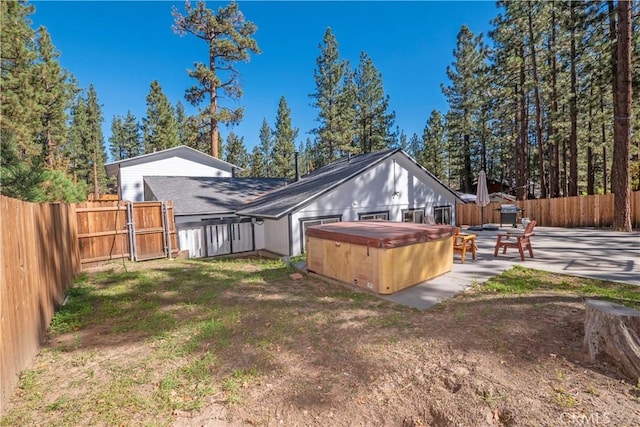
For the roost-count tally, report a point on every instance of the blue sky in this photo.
(121, 47)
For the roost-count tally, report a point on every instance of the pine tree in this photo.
(372, 120)
(18, 101)
(229, 40)
(54, 92)
(125, 140)
(256, 163)
(235, 152)
(184, 130)
(94, 145)
(284, 137)
(159, 126)
(311, 156)
(304, 159)
(415, 145)
(18, 179)
(335, 120)
(463, 96)
(620, 185)
(402, 142)
(432, 156)
(265, 146)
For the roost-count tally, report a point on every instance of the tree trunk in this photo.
(554, 169)
(521, 152)
(613, 330)
(591, 181)
(213, 108)
(605, 181)
(536, 94)
(573, 111)
(590, 174)
(466, 173)
(620, 182)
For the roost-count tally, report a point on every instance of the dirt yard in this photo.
(241, 343)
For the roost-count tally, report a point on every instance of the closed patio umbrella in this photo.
(482, 195)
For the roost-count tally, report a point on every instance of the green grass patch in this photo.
(73, 315)
(521, 281)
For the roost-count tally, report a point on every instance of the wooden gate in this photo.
(138, 231)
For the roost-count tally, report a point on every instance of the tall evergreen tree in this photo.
(402, 142)
(415, 145)
(94, 145)
(334, 117)
(125, 140)
(18, 100)
(159, 126)
(229, 38)
(54, 93)
(373, 122)
(236, 153)
(78, 137)
(185, 126)
(256, 163)
(265, 146)
(284, 137)
(432, 156)
(463, 96)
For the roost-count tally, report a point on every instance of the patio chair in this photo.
(462, 243)
(513, 239)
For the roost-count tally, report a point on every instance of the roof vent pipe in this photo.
(349, 156)
(233, 171)
(297, 160)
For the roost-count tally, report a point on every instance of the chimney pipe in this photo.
(297, 160)
(233, 171)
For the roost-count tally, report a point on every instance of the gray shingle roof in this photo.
(285, 199)
(205, 195)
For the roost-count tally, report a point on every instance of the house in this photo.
(177, 161)
(204, 211)
(218, 214)
(387, 185)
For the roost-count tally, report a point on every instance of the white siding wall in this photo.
(373, 191)
(276, 235)
(258, 231)
(131, 183)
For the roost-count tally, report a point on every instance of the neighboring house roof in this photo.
(207, 195)
(297, 194)
(180, 151)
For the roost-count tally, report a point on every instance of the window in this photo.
(373, 215)
(306, 223)
(442, 214)
(414, 215)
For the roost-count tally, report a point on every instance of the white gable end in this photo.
(131, 185)
(394, 185)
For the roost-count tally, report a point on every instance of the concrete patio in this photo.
(584, 252)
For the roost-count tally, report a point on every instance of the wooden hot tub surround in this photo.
(381, 256)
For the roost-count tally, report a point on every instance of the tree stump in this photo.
(614, 330)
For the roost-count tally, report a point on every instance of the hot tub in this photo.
(381, 256)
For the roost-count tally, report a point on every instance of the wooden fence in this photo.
(580, 211)
(138, 231)
(40, 259)
(44, 247)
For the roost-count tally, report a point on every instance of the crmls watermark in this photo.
(567, 418)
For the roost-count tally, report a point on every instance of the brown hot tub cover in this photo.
(380, 234)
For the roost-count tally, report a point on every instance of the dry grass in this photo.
(239, 342)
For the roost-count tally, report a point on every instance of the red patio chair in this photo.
(512, 239)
